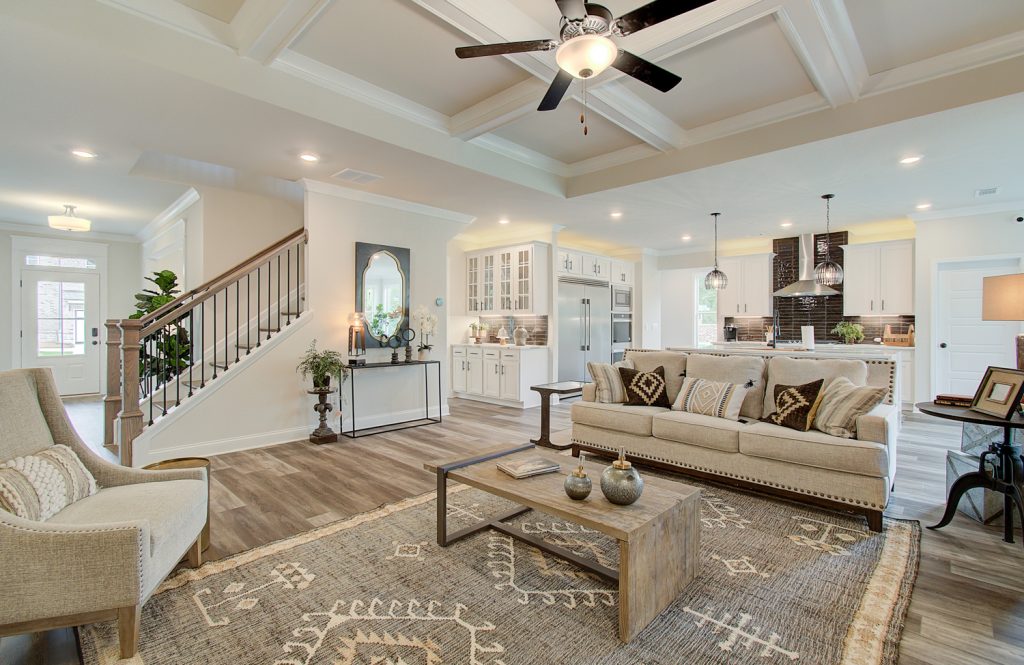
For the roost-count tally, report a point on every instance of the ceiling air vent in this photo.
(358, 177)
(986, 191)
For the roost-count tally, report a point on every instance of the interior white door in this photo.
(60, 328)
(967, 346)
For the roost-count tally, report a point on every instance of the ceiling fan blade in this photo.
(503, 49)
(646, 72)
(572, 9)
(556, 91)
(654, 13)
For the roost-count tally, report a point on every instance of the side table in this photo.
(190, 463)
(546, 390)
(1010, 467)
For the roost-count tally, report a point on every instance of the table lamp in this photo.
(1003, 300)
(356, 339)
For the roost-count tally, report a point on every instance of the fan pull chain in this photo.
(583, 116)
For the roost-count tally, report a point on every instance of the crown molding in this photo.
(330, 189)
(264, 29)
(969, 211)
(15, 227)
(180, 18)
(168, 216)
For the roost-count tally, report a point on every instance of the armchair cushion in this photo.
(37, 487)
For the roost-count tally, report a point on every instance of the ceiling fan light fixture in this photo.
(68, 221)
(586, 56)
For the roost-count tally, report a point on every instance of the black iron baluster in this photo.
(191, 347)
(238, 329)
(227, 306)
(298, 280)
(259, 312)
(288, 290)
(270, 268)
(177, 365)
(214, 337)
(147, 368)
(163, 352)
(202, 347)
(248, 313)
(278, 292)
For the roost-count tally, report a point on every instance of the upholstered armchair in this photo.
(101, 557)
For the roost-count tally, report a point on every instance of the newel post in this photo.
(112, 398)
(130, 417)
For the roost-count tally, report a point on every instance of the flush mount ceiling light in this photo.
(84, 154)
(716, 279)
(68, 221)
(309, 157)
(828, 272)
(923, 206)
(911, 159)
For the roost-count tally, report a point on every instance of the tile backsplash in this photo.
(822, 312)
(537, 326)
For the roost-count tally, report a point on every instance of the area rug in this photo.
(779, 582)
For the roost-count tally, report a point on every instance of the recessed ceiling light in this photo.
(786, 224)
(687, 238)
(912, 159)
(616, 215)
(83, 154)
(309, 157)
(503, 220)
(923, 206)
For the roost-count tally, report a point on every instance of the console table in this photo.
(1011, 470)
(355, 433)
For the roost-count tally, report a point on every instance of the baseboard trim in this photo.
(228, 445)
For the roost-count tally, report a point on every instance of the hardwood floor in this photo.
(967, 606)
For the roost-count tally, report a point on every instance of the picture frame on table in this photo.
(1000, 392)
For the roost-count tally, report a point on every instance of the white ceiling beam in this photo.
(263, 29)
(176, 16)
(805, 29)
(500, 109)
(839, 31)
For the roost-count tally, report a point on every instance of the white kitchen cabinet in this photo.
(472, 284)
(597, 267)
(569, 262)
(487, 283)
(878, 279)
(508, 280)
(622, 273)
(499, 374)
(749, 289)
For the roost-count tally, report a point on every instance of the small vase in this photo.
(423, 355)
(578, 484)
(519, 335)
(621, 484)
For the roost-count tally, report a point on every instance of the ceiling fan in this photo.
(585, 49)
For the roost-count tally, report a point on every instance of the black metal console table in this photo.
(355, 433)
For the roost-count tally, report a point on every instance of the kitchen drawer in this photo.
(509, 354)
(491, 353)
(459, 351)
(474, 352)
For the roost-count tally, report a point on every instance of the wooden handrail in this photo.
(216, 282)
(174, 311)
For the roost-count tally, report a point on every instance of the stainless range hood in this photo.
(806, 286)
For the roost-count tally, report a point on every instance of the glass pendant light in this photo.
(716, 279)
(828, 272)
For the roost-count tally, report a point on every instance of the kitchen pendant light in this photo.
(716, 279)
(828, 272)
(68, 221)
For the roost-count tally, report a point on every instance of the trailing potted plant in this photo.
(850, 332)
(321, 365)
(428, 326)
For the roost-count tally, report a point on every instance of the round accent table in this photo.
(190, 463)
(1008, 476)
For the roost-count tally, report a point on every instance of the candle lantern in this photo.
(356, 339)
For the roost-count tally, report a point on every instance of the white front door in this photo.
(967, 346)
(61, 327)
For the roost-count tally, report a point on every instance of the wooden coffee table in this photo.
(659, 535)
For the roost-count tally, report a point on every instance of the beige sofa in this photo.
(846, 474)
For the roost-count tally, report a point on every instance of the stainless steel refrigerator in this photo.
(584, 327)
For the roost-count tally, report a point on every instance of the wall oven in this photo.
(622, 328)
(622, 299)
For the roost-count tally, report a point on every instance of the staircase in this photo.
(157, 362)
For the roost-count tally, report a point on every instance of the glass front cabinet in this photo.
(508, 280)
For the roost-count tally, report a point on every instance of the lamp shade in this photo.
(1002, 298)
(587, 55)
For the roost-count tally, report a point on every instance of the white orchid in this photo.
(427, 323)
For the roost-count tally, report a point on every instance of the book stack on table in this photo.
(954, 400)
(525, 468)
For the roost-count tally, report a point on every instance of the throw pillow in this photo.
(712, 398)
(37, 487)
(796, 405)
(610, 389)
(842, 404)
(645, 388)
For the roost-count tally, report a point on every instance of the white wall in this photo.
(266, 402)
(962, 238)
(678, 307)
(647, 304)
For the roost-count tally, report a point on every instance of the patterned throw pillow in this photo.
(645, 388)
(797, 405)
(712, 398)
(841, 405)
(37, 487)
(610, 389)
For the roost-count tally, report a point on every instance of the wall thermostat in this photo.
(439, 302)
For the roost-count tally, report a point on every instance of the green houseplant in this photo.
(850, 332)
(321, 365)
(169, 350)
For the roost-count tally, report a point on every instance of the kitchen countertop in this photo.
(493, 345)
(796, 348)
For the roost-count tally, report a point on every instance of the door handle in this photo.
(942, 345)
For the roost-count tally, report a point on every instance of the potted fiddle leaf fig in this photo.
(321, 365)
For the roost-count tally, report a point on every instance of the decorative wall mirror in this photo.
(382, 290)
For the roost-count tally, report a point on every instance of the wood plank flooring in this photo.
(967, 606)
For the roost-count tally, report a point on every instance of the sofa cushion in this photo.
(645, 388)
(711, 398)
(698, 430)
(674, 363)
(608, 381)
(23, 428)
(37, 487)
(816, 449)
(842, 404)
(171, 507)
(797, 371)
(617, 417)
(797, 405)
(733, 369)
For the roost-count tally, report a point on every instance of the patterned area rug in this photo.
(779, 582)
